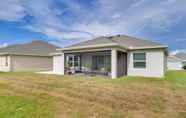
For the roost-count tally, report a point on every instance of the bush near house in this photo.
(184, 67)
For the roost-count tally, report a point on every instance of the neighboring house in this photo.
(177, 61)
(174, 63)
(114, 56)
(33, 56)
(182, 56)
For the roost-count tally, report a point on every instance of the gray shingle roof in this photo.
(173, 58)
(181, 55)
(100, 40)
(126, 42)
(38, 48)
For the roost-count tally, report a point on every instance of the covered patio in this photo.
(112, 63)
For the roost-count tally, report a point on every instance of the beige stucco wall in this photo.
(3, 66)
(31, 63)
(155, 64)
(58, 64)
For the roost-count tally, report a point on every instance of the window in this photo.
(139, 60)
(73, 61)
(76, 61)
(70, 61)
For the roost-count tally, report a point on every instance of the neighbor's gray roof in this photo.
(126, 42)
(173, 58)
(38, 48)
(181, 55)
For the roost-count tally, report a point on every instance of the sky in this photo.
(65, 22)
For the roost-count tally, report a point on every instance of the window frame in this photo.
(139, 61)
(73, 61)
(77, 61)
(70, 60)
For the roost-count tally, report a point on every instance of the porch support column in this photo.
(114, 63)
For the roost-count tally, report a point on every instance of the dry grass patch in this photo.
(85, 97)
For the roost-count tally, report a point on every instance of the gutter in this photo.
(55, 54)
(87, 47)
(147, 47)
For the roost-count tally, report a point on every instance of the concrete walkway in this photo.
(48, 72)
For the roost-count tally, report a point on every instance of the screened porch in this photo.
(94, 63)
(88, 63)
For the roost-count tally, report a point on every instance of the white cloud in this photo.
(11, 10)
(48, 22)
(99, 29)
(3, 45)
(116, 16)
(155, 14)
(66, 35)
(106, 17)
(129, 17)
(59, 35)
(177, 51)
(138, 3)
(180, 39)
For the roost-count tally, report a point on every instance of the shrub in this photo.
(184, 67)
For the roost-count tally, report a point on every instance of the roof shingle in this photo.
(38, 48)
(181, 55)
(126, 42)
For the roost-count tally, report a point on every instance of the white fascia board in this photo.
(85, 47)
(147, 47)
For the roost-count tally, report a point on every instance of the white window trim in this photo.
(73, 60)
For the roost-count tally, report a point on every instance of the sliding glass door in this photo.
(74, 62)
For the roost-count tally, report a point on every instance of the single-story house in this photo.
(33, 56)
(114, 56)
(177, 61)
(174, 63)
(182, 56)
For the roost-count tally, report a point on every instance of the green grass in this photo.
(18, 107)
(29, 95)
(176, 78)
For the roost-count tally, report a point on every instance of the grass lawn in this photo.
(29, 95)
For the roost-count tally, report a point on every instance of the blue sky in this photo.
(63, 22)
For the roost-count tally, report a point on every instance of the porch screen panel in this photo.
(101, 62)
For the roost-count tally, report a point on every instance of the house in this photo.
(33, 56)
(177, 61)
(114, 56)
(174, 63)
(182, 56)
